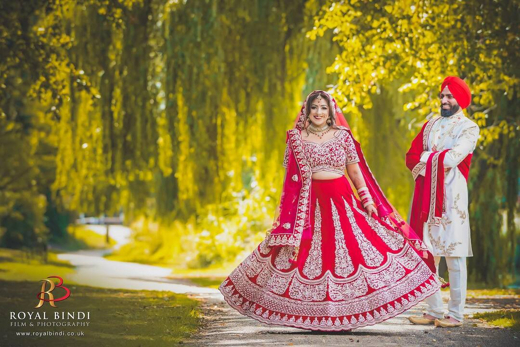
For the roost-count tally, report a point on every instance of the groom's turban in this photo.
(459, 89)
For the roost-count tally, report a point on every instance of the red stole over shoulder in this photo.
(428, 197)
(293, 214)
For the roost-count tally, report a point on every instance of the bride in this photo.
(335, 259)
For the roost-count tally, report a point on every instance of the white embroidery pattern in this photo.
(350, 148)
(390, 237)
(259, 289)
(264, 276)
(370, 253)
(294, 238)
(252, 266)
(263, 304)
(410, 259)
(339, 291)
(329, 155)
(387, 277)
(264, 248)
(286, 155)
(281, 261)
(278, 284)
(308, 292)
(313, 264)
(343, 263)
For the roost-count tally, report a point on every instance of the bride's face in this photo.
(319, 111)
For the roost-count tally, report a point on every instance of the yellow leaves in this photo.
(480, 118)
(486, 98)
(492, 133)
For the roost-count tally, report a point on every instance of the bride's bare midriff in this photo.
(325, 175)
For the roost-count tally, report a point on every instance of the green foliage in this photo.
(409, 47)
(176, 111)
(79, 237)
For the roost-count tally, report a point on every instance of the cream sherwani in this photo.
(451, 238)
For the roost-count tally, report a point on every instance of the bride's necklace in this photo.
(318, 131)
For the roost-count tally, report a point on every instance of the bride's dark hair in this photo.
(331, 120)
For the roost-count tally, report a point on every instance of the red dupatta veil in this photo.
(292, 218)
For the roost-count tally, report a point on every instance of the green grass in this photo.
(496, 292)
(117, 317)
(16, 265)
(502, 318)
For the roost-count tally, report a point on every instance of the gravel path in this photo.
(223, 326)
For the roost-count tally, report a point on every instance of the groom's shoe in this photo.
(425, 319)
(448, 322)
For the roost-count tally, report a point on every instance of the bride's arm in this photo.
(355, 175)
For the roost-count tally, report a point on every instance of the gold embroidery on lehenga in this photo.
(313, 264)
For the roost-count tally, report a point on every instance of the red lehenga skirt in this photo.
(352, 271)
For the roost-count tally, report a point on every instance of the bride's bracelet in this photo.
(365, 197)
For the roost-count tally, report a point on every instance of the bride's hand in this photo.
(371, 209)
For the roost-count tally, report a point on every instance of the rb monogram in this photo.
(51, 300)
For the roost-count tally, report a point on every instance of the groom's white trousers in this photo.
(458, 277)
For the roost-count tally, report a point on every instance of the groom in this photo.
(439, 159)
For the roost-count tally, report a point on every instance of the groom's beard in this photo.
(449, 112)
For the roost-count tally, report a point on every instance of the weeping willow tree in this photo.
(394, 55)
(176, 111)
